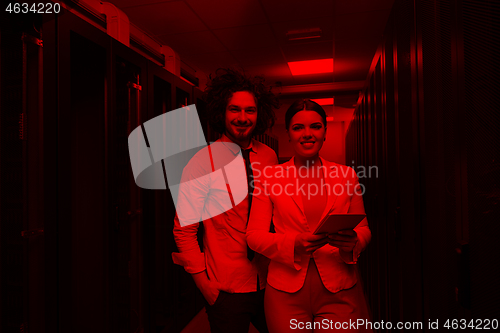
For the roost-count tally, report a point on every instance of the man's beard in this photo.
(243, 133)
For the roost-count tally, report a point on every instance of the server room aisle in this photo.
(84, 249)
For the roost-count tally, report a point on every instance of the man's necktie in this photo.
(248, 167)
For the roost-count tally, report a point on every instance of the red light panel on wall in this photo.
(311, 66)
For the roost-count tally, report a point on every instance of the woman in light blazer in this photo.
(312, 279)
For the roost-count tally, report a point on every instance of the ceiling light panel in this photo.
(323, 101)
(311, 66)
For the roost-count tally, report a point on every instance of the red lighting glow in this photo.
(323, 101)
(311, 66)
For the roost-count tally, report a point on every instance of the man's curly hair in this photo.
(228, 81)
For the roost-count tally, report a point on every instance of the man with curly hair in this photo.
(229, 275)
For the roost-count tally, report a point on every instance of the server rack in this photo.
(96, 248)
(425, 123)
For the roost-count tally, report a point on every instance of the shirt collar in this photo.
(252, 146)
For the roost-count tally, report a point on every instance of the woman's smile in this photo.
(307, 134)
(308, 144)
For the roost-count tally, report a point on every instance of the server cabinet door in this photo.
(21, 208)
(126, 271)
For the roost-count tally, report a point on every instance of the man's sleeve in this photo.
(190, 203)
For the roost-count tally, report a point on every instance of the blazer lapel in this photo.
(330, 182)
(296, 196)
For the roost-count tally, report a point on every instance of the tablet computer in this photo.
(335, 222)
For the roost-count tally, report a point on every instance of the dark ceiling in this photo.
(251, 35)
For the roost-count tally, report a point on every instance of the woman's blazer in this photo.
(278, 196)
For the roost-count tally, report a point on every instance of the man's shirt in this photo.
(224, 255)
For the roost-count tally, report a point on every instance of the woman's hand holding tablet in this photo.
(307, 243)
(345, 240)
(339, 229)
